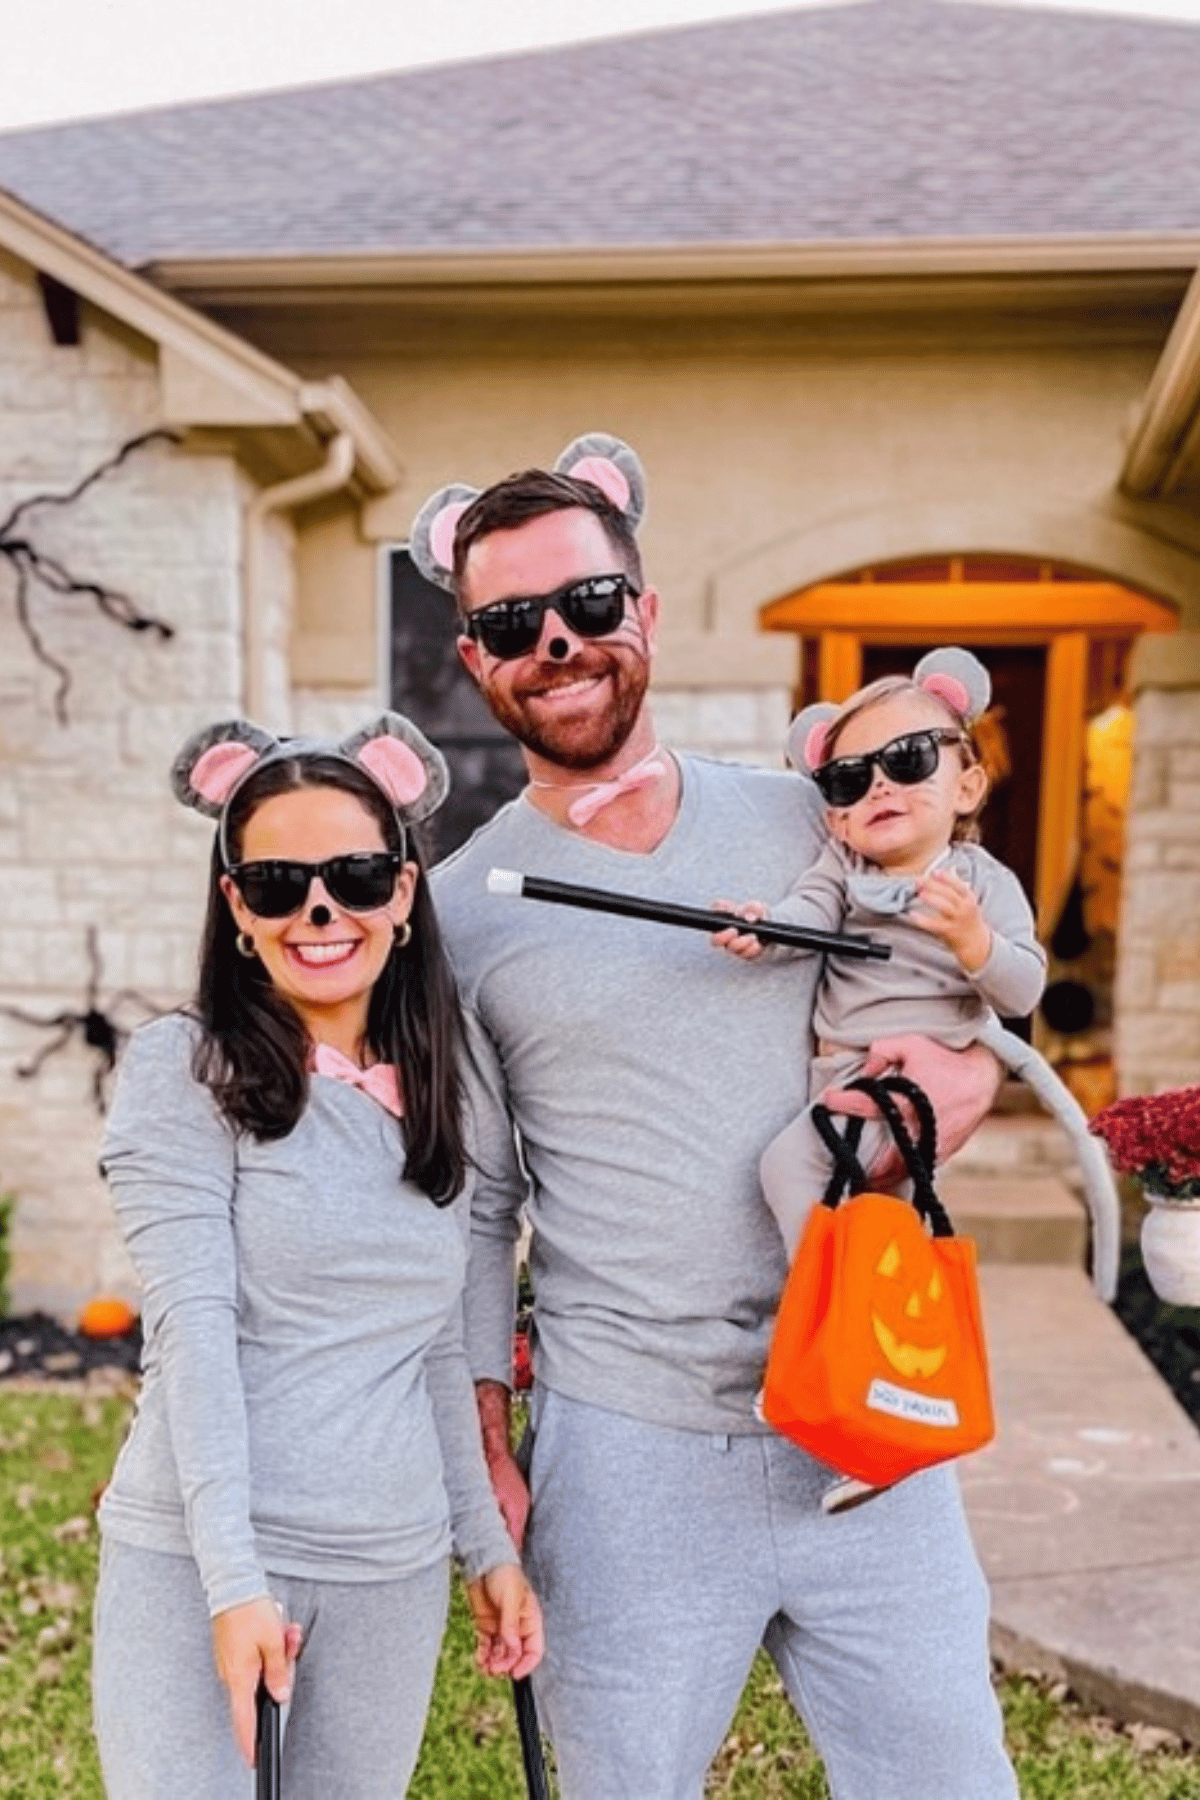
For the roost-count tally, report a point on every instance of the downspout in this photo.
(334, 473)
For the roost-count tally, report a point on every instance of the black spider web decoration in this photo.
(94, 1024)
(36, 568)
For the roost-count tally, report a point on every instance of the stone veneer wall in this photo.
(89, 834)
(734, 724)
(1158, 975)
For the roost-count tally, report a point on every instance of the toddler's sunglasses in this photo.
(905, 760)
(362, 882)
(592, 608)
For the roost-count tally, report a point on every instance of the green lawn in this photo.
(55, 1447)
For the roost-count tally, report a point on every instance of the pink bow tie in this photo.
(379, 1081)
(602, 793)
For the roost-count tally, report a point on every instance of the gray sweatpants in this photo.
(663, 1558)
(359, 1699)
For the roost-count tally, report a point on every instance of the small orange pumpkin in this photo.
(107, 1316)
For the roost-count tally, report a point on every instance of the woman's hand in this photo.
(507, 1620)
(740, 943)
(252, 1643)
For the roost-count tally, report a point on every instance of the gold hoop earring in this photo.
(245, 945)
(402, 935)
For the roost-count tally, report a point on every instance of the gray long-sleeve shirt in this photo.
(645, 1072)
(306, 1405)
(922, 987)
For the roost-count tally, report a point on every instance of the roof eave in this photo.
(237, 276)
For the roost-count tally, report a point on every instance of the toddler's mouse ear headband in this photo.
(806, 736)
(409, 771)
(958, 679)
(605, 461)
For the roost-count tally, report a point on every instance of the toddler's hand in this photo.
(954, 916)
(740, 943)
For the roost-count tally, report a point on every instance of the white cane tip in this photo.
(504, 881)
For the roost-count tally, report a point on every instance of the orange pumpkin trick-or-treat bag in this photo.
(878, 1365)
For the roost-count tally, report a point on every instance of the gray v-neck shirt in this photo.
(306, 1405)
(645, 1072)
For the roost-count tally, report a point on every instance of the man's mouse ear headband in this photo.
(607, 462)
(958, 679)
(407, 769)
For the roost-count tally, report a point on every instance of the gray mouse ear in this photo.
(958, 679)
(401, 760)
(805, 742)
(215, 761)
(609, 464)
(431, 540)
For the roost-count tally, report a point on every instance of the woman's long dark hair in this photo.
(253, 1052)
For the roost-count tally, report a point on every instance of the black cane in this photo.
(266, 1745)
(536, 1781)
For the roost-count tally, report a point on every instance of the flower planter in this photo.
(1171, 1247)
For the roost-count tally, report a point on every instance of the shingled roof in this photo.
(878, 119)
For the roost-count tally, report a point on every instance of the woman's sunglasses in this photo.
(905, 760)
(362, 882)
(592, 608)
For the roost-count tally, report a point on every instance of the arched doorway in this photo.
(1057, 641)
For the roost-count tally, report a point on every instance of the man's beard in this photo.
(578, 743)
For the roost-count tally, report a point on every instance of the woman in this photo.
(291, 1163)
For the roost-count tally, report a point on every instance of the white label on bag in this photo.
(902, 1403)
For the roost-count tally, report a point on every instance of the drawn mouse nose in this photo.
(558, 648)
(320, 914)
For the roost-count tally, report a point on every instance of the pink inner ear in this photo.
(606, 476)
(950, 689)
(218, 771)
(441, 532)
(398, 770)
(814, 745)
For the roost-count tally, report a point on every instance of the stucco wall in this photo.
(89, 834)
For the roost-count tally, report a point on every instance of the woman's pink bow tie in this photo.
(379, 1081)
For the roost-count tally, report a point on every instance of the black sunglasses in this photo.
(905, 760)
(362, 882)
(593, 608)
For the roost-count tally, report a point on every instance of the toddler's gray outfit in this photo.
(671, 1531)
(922, 988)
(306, 1411)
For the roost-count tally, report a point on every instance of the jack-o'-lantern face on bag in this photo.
(907, 1313)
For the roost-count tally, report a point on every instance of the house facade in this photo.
(903, 367)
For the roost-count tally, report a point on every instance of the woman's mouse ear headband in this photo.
(958, 679)
(407, 769)
(606, 462)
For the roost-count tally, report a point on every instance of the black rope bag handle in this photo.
(920, 1158)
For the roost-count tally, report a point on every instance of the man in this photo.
(670, 1532)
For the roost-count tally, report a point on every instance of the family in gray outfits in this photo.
(667, 1531)
(292, 1163)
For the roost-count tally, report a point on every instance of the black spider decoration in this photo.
(33, 565)
(95, 1024)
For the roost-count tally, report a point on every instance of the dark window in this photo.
(430, 684)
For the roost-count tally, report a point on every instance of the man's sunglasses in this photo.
(592, 608)
(905, 760)
(362, 882)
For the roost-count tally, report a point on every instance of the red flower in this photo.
(1157, 1138)
(522, 1362)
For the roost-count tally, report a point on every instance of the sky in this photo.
(67, 59)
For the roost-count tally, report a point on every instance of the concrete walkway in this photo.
(1086, 1508)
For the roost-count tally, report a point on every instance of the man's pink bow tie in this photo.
(594, 796)
(378, 1081)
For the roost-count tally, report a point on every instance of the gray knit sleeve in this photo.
(481, 1540)
(500, 1190)
(1012, 978)
(169, 1158)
